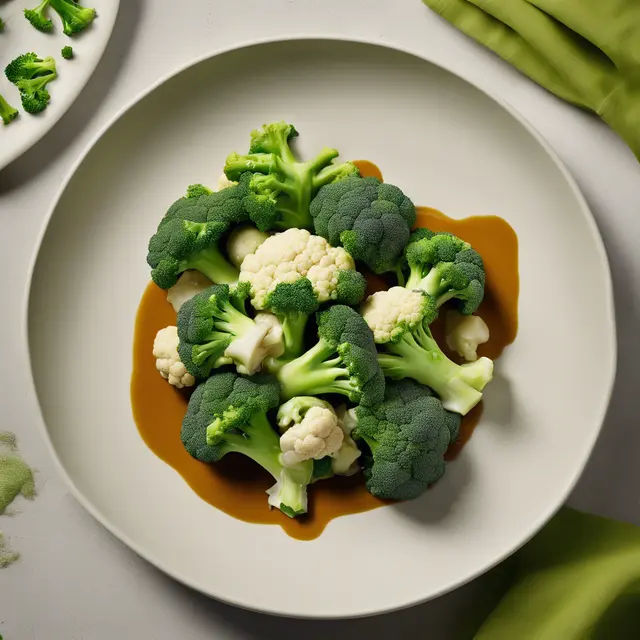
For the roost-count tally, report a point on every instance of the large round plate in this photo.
(19, 37)
(448, 145)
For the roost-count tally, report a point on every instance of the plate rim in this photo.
(21, 150)
(609, 309)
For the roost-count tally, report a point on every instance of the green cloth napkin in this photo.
(584, 51)
(578, 579)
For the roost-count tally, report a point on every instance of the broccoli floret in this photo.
(369, 218)
(281, 188)
(74, 16)
(407, 435)
(214, 329)
(1, 25)
(67, 53)
(399, 319)
(227, 414)
(445, 267)
(197, 190)
(38, 17)
(7, 112)
(343, 361)
(31, 74)
(189, 237)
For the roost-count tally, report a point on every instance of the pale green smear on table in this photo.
(7, 556)
(16, 477)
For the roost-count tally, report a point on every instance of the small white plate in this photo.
(448, 145)
(20, 37)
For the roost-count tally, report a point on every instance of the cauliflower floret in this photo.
(243, 241)
(344, 461)
(465, 333)
(189, 284)
(224, 182)
(274, 339)
(288, 256)
(388, 313)
(165, 350)
(315, 433)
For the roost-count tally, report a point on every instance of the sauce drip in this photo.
(236, 485)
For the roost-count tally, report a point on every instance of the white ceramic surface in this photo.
(448, 145)
(20, 37)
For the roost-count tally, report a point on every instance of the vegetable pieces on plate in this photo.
(292, 366)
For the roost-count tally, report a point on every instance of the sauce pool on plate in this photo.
(237, 485)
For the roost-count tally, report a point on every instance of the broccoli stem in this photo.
(212, 264)
(293, 326)
(236, 164)
(312, 374)
(418, 356)
(414, 281)
(217, 343)
(7, 112)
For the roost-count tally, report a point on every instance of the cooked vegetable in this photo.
(7, 112)
(189, 236)
(67, 52)
(188, 285)
(74, 16)
(292, 273)
(243, 241)
(168, 363)
(281, 188)
(400, 319)
(343, 361)
(215, 330)
(370, 219)
(407, 435)
(445, 267)
(344, 463)
(31, 75)
(38, 17)
(465, 334)
(228, 414)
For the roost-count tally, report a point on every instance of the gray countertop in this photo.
(75, 580)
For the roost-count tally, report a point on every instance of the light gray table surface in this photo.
(75, 581)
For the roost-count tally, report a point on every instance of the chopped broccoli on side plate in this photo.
(31, 75)
(67, 52)
(7, 112)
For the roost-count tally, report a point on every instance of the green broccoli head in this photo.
(280, 187)
(31, 75)
(74, 16)
(343, 361)
(407, 434)
(67, 52)
(214, 329)
(370, 219)
(197, 190)
(228, 414)
(7, 112)
(38, 17)
(189, 237)
(399, 319)
(446, 268)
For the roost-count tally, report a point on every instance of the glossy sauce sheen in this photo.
(236, 485)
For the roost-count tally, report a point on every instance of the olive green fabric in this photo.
(578, 579)
(584, 51)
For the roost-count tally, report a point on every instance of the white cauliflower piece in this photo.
(190, 283)
(224, 182)
(288, 256)
(344, 461)
(388, 313)
(264, 340)
(315, 432)
(465, 333)
(274, 339)
(168, 363)
(243, 241)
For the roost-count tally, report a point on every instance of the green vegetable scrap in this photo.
(67, 52)
(7, 112)
(7, 555)
(281, 187)
(31, 75)
(16, 477)
(74, 16)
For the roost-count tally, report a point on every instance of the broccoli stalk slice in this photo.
(212, 264)
(7, 112)
(315, 373)
(259, 442)
(417, 355)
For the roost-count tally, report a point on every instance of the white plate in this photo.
(448, 145)
(20, 37)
